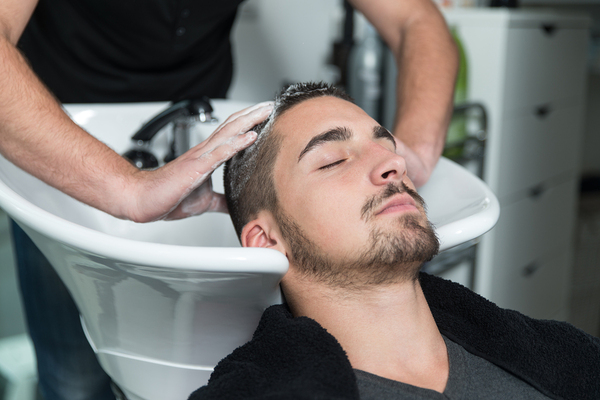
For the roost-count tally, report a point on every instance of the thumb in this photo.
(218, 203)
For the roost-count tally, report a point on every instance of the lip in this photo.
(399, 203)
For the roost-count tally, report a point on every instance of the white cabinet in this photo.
(543, 63)
(535, 148)
(528, 69)
(532, 253)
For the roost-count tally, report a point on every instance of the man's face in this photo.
(343, 187)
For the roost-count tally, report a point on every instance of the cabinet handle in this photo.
(549, 29)
(530, 269)
(537, 191)
(543, 111)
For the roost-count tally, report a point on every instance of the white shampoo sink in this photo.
(163, 302)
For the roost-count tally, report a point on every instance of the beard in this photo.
(391, 256)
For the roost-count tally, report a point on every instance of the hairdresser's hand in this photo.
(418, 166)
(183, 187)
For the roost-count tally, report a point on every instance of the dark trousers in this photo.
(67, 366)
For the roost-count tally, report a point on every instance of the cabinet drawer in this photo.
(534, 225)
(532, 245)
(542, 67)
(534, 148)
(538, 289)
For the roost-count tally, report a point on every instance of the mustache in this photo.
(390, 190)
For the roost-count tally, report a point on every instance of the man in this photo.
(324, 184)
(88, 51)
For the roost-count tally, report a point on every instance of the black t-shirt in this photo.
(131, 50)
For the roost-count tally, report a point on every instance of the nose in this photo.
(389, 167)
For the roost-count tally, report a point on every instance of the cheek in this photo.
(328, 214)
(325, 209)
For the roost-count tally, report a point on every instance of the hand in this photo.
(183, 188)
(417, 168)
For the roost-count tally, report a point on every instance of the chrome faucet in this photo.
(183, 115)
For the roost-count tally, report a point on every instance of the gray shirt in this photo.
(470, 377)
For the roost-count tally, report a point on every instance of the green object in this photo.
(457, 131)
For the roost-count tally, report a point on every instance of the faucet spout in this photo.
(194, 109)
(182, 114)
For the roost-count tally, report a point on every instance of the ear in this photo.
(263, 232)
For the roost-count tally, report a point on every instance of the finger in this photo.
(218, 204)
(212, 159)
(190, 174)
(198, 167)
(246, 111)
(243, 122)
(237, 127)
(195, 202)
(400, 146)
(199, 203)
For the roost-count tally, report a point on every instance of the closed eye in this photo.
(333, 164)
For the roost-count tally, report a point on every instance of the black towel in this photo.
(295, 358)
(554, 357)
(287, 358)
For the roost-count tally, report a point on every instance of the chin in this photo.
(413, 240)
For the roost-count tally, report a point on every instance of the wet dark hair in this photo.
(248, 177)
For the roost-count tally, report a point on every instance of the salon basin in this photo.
(460, 205)
(161, 303)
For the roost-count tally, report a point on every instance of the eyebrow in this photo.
(333, 135)
(379, 132)
(340, 134)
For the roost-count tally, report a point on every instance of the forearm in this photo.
(427, 62)
(427, 65)
(37, 136)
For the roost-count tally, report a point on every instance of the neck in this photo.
(386, 330)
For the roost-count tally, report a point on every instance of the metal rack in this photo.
(469, 153)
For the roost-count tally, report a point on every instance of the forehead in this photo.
(301, 123)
